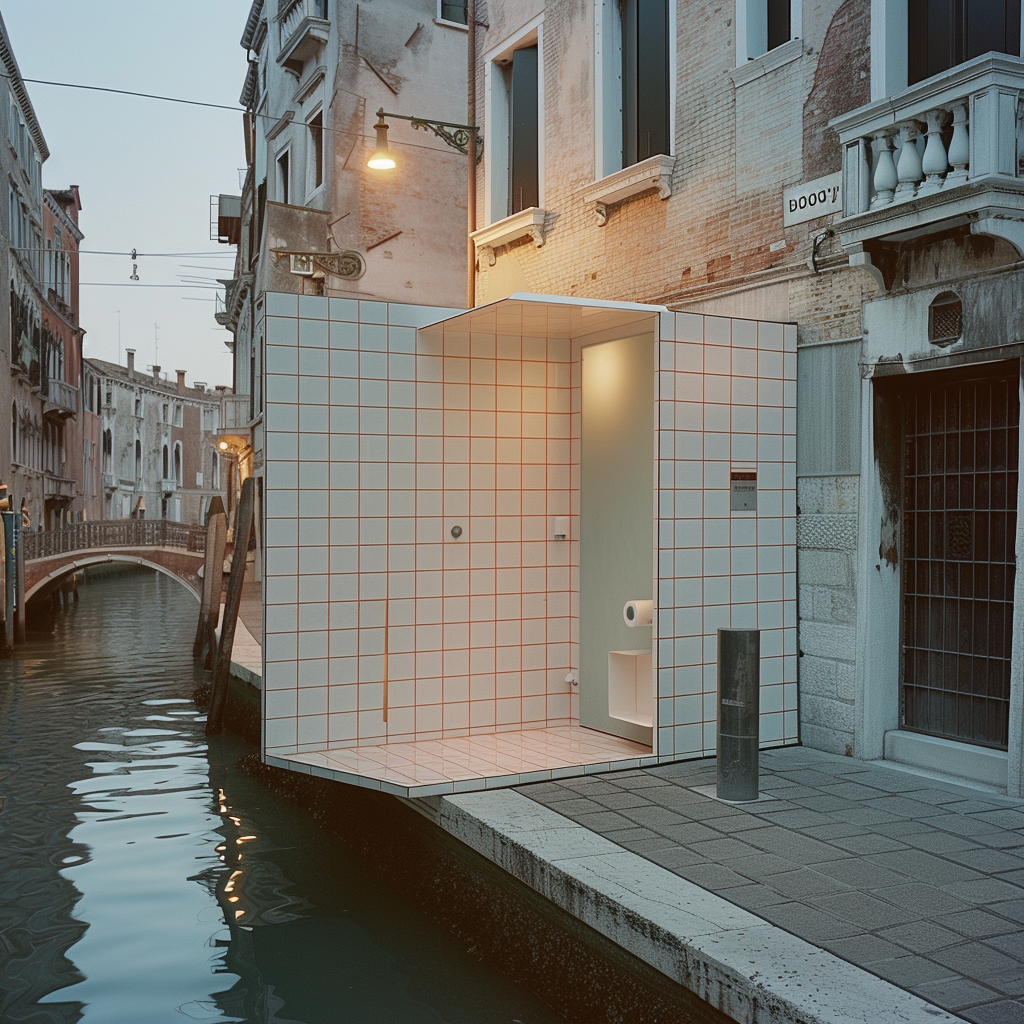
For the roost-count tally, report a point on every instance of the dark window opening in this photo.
(945, 319)
(282, 177)
(454, 10)
(779, 26)
(645, 84)
(944, 33)
(316, 142)
(524, 131)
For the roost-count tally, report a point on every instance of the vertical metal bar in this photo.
(739, 679)
(471, 152)
(9, 583)
(386, 603)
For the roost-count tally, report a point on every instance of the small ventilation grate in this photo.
(945, 319)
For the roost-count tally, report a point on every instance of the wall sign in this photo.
(744, 491)
(812, 199)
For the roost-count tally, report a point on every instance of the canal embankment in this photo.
(851, 891)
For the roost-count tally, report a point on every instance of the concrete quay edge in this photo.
(753, 971)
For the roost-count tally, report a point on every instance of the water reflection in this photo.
(147, 879)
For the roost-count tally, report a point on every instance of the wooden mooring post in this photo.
(213, 582)
(232, 600)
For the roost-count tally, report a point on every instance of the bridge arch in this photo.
(83, 562)
(174, 549)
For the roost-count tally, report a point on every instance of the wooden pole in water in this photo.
(213, 580)
(10, 577)
(19, 601)
(232, 599)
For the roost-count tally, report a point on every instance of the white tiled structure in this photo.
(396, 652)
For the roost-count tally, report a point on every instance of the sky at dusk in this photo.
(146, 168)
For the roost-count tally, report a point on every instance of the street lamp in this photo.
(455, 135)
(466, 138)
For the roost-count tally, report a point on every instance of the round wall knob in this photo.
(456, 532)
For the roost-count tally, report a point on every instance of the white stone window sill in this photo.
(653, 173)
(527, 223)
(758, 67)
(445, 23)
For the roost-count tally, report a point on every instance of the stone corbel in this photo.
(527, 223)
(653, 173)
(861, 257)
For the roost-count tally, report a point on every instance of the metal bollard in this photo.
(739, 679)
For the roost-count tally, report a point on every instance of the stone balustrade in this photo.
(291, 15)
(949, 146)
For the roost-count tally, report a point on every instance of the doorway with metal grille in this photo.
(960, 464)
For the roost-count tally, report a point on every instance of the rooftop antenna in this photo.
(156, 344)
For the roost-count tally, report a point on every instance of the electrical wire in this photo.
(136, 284)
(215, 106)
(133, 254)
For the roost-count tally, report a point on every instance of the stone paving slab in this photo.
(753, 970)
(915, 881)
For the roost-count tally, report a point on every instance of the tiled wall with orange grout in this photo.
(380, 440)
(727, 401)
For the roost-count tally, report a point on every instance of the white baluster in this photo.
(908, 166)
(933, 163)
(885, 178)
(959, 146)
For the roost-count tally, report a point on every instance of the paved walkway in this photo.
(919, 882)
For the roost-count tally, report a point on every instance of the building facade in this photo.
(310, 220)
(854, 168)
(40, 334)
(159, 455)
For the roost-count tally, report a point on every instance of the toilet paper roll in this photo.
(638, 613)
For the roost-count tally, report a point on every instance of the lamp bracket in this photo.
(454, 135)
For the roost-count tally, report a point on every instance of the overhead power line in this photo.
(212, 106)
(132, 254)
(131, 92)
(136, 284)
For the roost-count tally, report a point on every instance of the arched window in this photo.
(138, 460)
(177, 463)
(108, 451)
(165, 463)
(945, 319)
(14, 432)
(215, 474)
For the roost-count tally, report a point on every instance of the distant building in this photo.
(60, 485)
(159, 456)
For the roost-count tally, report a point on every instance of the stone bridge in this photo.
(175, 549)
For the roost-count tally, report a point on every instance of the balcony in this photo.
(169, 486)
(61, 399)
(234, 414)
(109, 482)
(303, 29)
(942, 154)
(59, 487)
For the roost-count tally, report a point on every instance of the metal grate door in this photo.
(960, 519)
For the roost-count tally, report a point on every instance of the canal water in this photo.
(144, 877)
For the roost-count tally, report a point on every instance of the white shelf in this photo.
(631, 687)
